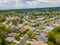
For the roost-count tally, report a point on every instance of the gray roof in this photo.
(16, 28)
(10, 39)
(11, 34)
(41, 38)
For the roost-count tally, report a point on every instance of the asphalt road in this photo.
(23, 41)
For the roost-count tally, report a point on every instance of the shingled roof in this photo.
(23, 29)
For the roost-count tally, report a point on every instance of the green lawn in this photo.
(14, 43)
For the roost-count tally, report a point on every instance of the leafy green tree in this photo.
(51, 43)
(33, 35)
(28, 43)
(51, 36)
(30, 33)
(2, 18)
(20, 21)
(15, 21)
(3, 42)
(57, 29)
(2, 27)
(57, 39)
(3, 31)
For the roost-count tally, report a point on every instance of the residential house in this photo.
(16, 28)
(41, 38)
(39, 43)
(56, 24)
(7, 18)
(34, 29)
(48, 28)
(11, 34)
(43, 33)
(32, 20)
(10, 39)
(23, 29)
(27, 22)
(32, 24)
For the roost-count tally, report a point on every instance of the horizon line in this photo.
(27, 8)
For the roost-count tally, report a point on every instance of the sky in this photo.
(23, 4)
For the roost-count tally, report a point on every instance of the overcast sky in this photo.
(20, 4)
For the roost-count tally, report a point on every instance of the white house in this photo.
(10, 39)
(48, 28)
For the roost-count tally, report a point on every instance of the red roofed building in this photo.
(43, 33)
(39, 43)
(23, 29)
(27, 22)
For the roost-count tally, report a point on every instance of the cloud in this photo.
(19, 4)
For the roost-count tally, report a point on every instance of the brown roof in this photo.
(27, 22)
(39, 43)
(23, 29)
(44, 33)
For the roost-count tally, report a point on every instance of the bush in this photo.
(57, 30)
(50, 43)
(2, 18)
(51, 36)
(28, 43)
(57, 39)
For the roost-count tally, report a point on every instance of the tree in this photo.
(21, 21)
(28, 43)
(54, 36)
(50, 43)
(17, 38)
(3, 42)
(30, 33)
(3, 31)
(2, 18)
(57, 39)
(51, 37)
(15, 21)
(57, 29)
(2, 27)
